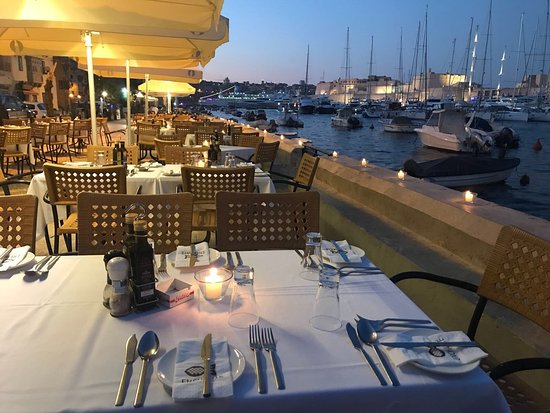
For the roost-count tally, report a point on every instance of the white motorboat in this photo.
(289, 119)
(346, 118)
(307, 106)
(446, 130)
(539, 114)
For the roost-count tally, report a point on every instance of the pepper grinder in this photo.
(120, 301)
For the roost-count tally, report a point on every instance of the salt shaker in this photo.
(120, 301)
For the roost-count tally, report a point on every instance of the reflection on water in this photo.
(390, 150)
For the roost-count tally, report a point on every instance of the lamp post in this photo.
(102, 101)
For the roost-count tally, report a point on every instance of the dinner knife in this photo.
(206, 354)
(352, 334)
(413, 344)
(131, 345)
(340, 251)
(239, 258)
(5, 255)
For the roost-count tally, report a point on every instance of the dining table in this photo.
(62, 351)
(158, 179)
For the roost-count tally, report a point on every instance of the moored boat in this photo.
(462, 170)
(400, 124)
(346, 118)
(289, 119)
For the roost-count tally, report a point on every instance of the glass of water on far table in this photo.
(312, 262)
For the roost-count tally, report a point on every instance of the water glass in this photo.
(312, 262)
(243, 309)
(326, 309)
(100, 158)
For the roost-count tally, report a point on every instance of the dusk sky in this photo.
(269, 38)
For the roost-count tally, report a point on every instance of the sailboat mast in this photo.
(519, 52)
(426, 56)
(452, 61)
(502, 60)
(347, 69)
(486, 45)
(539, 100)
(400, 74)
(369, 80)
(466, 65)
(307, 71)
(414, 66)
(473, 65)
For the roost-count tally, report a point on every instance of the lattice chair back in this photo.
(101, 220)
(265, 221)
(205, 183)
(16, 122)
(205, 129)
(250, 141)
(148, 129)
(305, 174)
(182, 155)
(39, 133)
(18, 220)
(132, 154)
(517, 275)
(92, 150)
(14, 136)
(64, 183)
(59, 129)
(82, 127)
(200, 137)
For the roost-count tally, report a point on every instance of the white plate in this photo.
(356, 250)
(464, 368)
(165, 370)
(214, 256)
(27, 260)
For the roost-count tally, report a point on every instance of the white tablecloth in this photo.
(62, 351)
(151, 182)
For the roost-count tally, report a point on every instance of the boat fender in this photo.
(524, 180)
(537, 146)
(371, 126)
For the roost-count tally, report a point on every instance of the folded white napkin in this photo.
(441, 356)
(259, 172)
(331, 254)
(78, 163)
(184, 255)
(171, 170)
(16, 256)
(188, 371)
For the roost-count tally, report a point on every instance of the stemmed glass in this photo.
(312, 262)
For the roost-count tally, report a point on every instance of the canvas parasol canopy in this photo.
(166, 88)
(124, 29)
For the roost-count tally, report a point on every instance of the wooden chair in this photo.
(64, 183)
(183, 155)
(161, 145)
(265, 221)
(305, 174)
(39, 136)
(182, 131)
(265, 154)
(132, 154)
(58, 139)
(100, 121)
(92, 150)
(12, 138)
(18, 220)
(146, 134)
(109, 134)
(205, 183)
(14, 121)
(101, 220)
(82, 132)
(517, 277)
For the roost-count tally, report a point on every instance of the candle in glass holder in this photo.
(401, 175)
(364, 163)
(300, 143)
(213, 285)
(335, 154)
(205, 142)
(469, 197)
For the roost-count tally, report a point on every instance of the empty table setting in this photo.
(63, 351)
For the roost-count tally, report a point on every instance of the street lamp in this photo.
(102, 101)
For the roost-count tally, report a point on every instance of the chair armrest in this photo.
(280, 174)
(408, 275)
(513, 366)
(292, 183)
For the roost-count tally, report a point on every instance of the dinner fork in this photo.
(268, 342)
(256, 346)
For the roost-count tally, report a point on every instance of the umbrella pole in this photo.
(91, 86)
(146, 96)
(129, 135)
(169, 102)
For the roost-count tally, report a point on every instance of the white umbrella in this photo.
(130, 29)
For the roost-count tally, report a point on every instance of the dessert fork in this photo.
(161, 270)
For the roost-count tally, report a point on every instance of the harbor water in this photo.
(390, 150)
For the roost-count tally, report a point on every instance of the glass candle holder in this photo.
(213, 282)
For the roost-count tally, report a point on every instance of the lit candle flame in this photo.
(364, 163)
(401, 175)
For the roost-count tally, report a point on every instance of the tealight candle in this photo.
(200, 164)
(335, 154)
(364, 163)
(205, 143)
(213, 285)
(300, 143)
(469, 197)
(401, 175)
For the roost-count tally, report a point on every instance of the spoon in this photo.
(368, 335)
(147, 348)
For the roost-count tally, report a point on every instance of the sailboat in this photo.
(307, 106)
(346, 117)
